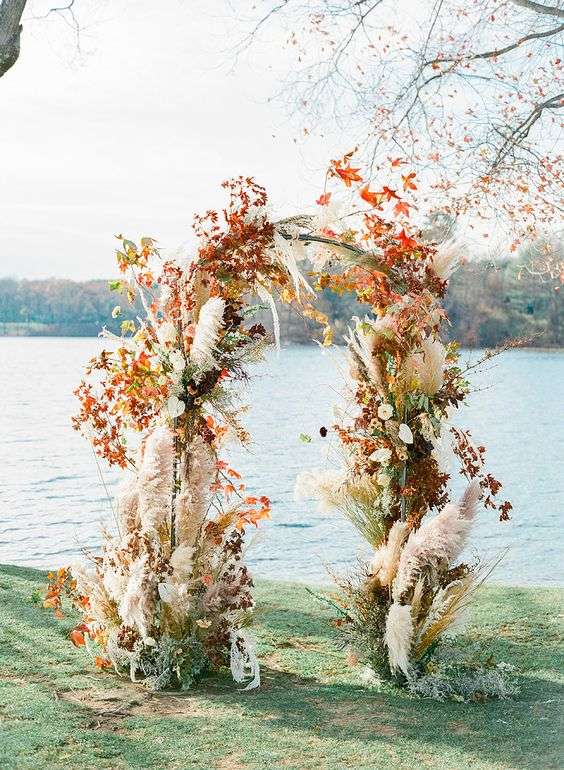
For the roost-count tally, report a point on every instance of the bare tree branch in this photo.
(497, 52)
(10, 29)
(549, 10)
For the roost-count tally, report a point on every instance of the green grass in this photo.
(312, 711)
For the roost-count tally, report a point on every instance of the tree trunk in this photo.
(10, 29)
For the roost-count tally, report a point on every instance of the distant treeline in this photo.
(487, 304)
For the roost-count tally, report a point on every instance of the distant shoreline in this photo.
(31, 331)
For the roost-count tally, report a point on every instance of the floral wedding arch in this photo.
(170, 595)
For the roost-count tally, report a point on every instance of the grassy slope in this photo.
(312, 712)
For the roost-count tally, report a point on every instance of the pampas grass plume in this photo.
(398, 636)
(207, 331)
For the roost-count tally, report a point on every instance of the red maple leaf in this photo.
(374, 198)
(401, 207)
(406, 241)
(324, 199)
(389, 193)
(349, 175)
(408, 183)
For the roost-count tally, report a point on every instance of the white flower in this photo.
(383, 479)
(177, 360)
(385, 411)
(175, 407)
(166, 332)
(149, 641)
(381, 455)
(166, 592)
(405, 433)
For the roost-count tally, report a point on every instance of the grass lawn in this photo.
(312, 711)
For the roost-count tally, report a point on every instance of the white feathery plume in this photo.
(287, 252)
(363, 344)
(182, 561)
(417, 597)
(243, 659)
(207, 331)
(155, 479)
(441, 603)
(385, 561)
(191, 504)
(115, 582)
(136, 605)
(267, 297)
(128, 505)
(427, 365)
(166, 332)
(398, 637)
(446, 259)
(322, 485)
(438, 540)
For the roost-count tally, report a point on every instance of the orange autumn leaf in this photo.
(394, 163)
(373, 198)
(102, 663)
(349, 175)
(406, 241)
(77, 637)
(408, 183)
(324, 199)
(389, 193)
(401, 207)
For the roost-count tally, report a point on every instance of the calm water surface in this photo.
(53, 497)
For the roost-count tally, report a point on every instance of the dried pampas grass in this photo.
(386, 559)
(206, 336)
(447, 608)
(437, 542)
(137, 603)
(128, 505)
(326, 486)
(427, 366)
(156, 479)
(398, 637)
(446, 259)
(362, 342)
(191, 504)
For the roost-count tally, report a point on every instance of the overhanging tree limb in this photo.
(549, 10)
(10, 29)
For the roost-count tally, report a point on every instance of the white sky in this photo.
(136, 134)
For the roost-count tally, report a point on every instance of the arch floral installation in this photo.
(170, 596)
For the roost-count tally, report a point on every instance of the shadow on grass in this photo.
(308, 691)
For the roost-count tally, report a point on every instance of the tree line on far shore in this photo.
(487, 305)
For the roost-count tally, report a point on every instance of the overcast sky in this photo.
(135, 134)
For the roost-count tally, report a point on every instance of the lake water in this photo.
(53, 498)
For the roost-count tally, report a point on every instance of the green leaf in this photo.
(115, 285)
(305, 438)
